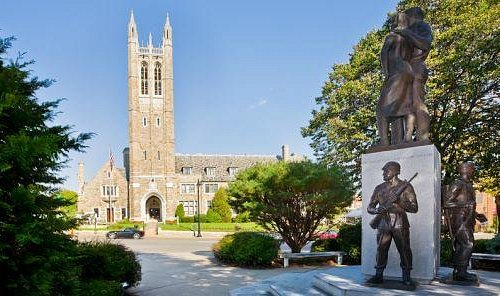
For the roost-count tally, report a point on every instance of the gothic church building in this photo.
(155, 180)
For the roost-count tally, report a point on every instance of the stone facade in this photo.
(155, 179)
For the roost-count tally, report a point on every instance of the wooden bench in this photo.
(483, 256)
(287, 256)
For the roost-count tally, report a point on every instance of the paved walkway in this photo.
(176, 263)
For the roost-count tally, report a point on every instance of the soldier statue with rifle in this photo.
(394, 198)
(460, 213)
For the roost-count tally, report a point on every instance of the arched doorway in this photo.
(153, 208)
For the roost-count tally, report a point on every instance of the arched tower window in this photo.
(144, 78)
(157, 79)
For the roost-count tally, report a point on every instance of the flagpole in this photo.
(111, 160)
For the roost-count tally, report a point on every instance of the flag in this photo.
(111, 160)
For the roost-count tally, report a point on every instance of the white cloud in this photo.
(259, 104)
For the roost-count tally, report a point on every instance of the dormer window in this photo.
(187, 170)
(210, 171)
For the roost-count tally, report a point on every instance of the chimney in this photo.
(285, 153)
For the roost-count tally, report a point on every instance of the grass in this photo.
(212, 227)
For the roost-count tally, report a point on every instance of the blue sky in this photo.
(245, 72)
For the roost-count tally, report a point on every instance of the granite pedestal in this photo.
(424, 225)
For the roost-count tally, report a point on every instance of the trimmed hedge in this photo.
(247, 249)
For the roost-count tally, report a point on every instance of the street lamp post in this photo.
(198, 208)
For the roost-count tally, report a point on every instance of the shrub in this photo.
(102, 288)
(242, 217)
(493, 245)
(446, 254)
(325, 245)
(480, 246)
(203, 218)
(247, 249)
(187, 219)
(108, 261)
(213, 216)
(179, 211)
(349, 241)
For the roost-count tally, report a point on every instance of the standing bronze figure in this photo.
(401, 103)
(390, 202)
(460, 213)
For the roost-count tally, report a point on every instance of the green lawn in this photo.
(214, 227)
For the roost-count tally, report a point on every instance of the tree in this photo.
(221, 206)
(34, 250)
(291, 197)
(179, 211)
(462, 92)
(70, 197)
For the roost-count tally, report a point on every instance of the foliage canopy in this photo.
(33, 246)
(291, 197)
(462, 92)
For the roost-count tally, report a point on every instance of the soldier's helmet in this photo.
(394, 165)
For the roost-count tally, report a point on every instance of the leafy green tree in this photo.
(221, 206)
(291, 197)
(34, 250)
(71, 197)
(179, 211)
(462, 92)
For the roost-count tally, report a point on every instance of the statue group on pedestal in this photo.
(400, 111)
(401, 107)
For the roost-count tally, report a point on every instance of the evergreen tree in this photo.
(33, 247)
(221, 206)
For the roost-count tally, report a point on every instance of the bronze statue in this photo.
(394, 198)
(460, 213)
(401, 103)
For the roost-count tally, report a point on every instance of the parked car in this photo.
(125, 233)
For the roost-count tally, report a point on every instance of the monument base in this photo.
(425, 225)
(393, 285)
(450, 281)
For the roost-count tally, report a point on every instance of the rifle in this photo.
(392, 198)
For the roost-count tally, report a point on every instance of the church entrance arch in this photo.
(153, 208)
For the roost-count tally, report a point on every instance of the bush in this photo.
(187, 219)
(349, 241)
(446, 254)
(203, 218)
(247, 249)
(213, 216)
(493, 245)
(325, 245)
(108, 261)
(480, 246)
(242, 217)
(102, 288)
(179, 211)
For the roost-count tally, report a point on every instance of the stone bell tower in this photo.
(151, 126)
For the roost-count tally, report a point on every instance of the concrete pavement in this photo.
(180, 264)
